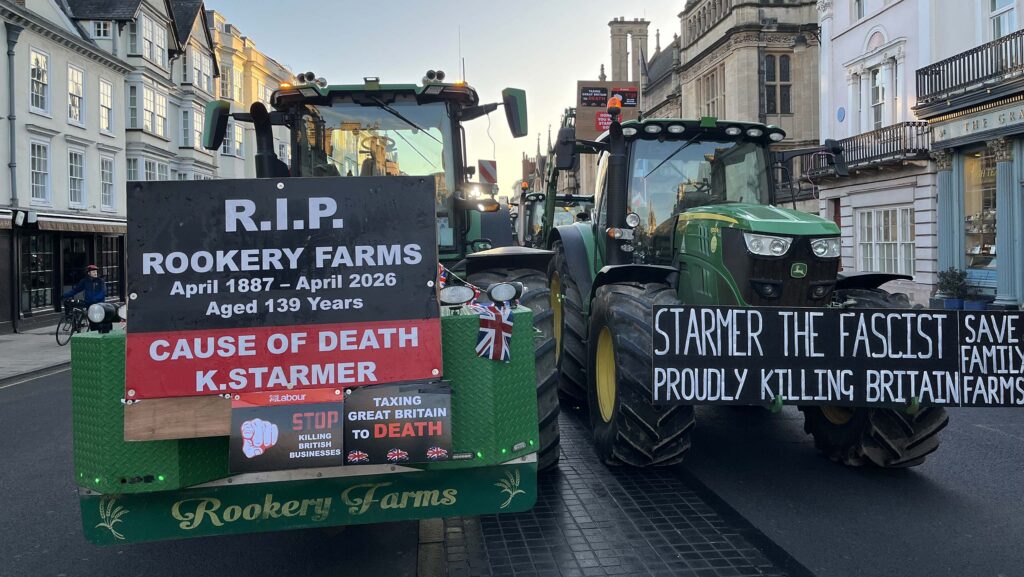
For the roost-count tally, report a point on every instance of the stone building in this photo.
(971, 94)
(741, 60)
(886, 208)
(246, 76)
(62, 197)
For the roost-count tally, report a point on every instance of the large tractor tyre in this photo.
(628, 427)
(536, 297)
(887, 438)
(570, 329)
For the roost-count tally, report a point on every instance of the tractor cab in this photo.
(374, 129)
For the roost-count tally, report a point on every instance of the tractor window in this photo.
(700, 174)
(353, 140)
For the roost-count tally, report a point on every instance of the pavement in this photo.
(31, 353)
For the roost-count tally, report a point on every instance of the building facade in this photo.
(62, 201)
(972, 95)
(246, 76)
(887, 207)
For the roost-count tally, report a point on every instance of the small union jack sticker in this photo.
(436, 453)
(358, 457)
(442, 276)
(397, 455)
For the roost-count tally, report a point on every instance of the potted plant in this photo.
(953, 286)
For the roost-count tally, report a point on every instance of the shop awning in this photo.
(72, 223)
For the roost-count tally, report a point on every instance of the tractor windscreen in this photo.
(673, 176)
(400, 138)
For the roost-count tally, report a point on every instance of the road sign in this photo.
(488, 171)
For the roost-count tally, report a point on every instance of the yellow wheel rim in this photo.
(556, 307)
(605, 374)
(837, 415)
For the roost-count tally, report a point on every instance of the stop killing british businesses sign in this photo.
(248, 286)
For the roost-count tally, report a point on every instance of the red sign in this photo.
(489, 171)
(603, 121)
(288, 359)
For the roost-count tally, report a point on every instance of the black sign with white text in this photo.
(398, 424)
(276, 431)
(888, 358)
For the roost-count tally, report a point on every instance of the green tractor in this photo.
(375, 129)
(160, 467)
(685, 214)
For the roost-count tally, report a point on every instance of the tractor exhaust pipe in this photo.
(616, 188)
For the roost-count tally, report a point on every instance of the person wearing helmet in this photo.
(92, 287)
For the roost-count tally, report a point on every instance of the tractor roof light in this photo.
(776, 136)
(629, 131)
(733, 131)
(755, 132)
(632, 220)
(676, 129)
(434, 89)
(652, 128)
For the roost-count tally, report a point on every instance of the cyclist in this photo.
(92, 287)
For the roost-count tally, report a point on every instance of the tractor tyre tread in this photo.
(572, 360)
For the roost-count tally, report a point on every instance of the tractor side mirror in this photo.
(514, 100)
(565, 148)
(837, 157)
(217, 113)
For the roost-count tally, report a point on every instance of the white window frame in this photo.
(905, 239)
(133, 38)
(101, 29)
(154, 111)
(83, 201)
(106, 108)
(80, 87)
(239, 140)
(876, 90)
(207, 61)
(238, 85)
(47, 189)
(107, 197)
(226, 91)
(149, 172)
(162, 171)
(198, 124)
(131, 166)
(45, 95)
(227, 148)
(995, 15)
(186, 128)
(859, 9)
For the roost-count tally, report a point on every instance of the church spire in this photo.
(603, 77)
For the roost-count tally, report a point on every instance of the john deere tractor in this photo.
(685, 213)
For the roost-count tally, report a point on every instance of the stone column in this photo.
(887, 92)
(950, 227)
(865, 102)
(852, 95)
(825, 106)
(1006, 249)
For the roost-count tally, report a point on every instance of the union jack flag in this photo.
(396, 455)
(495, 338)
(358, 457)
(442, 276)
(436, 453)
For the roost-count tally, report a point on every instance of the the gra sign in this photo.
(889, 358)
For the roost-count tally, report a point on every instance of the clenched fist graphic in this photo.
(258, 436)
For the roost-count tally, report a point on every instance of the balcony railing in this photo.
(995, 62)
(896, 143)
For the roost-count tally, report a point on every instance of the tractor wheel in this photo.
(886, 438)
(628, 427)
(570, 329)
(536, 298)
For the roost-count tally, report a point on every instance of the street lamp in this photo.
(800, 43)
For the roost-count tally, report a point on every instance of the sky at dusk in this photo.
(543, 47)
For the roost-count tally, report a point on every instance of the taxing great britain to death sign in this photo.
(251, 286)
(885, 358)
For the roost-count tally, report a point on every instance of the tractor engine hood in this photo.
(765, 219)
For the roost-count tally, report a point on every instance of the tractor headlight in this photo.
(826, 247)
(456, 295)
(504, 292)
(766, 245)
(101, 312)
(632, 220)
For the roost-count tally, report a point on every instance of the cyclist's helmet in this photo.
(91, 267)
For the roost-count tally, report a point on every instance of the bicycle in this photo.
(73, 321)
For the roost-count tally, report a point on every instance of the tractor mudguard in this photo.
(507, 257)
(575, 257)
(641, 273)
(867, 280)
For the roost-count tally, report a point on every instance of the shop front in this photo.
(979, 153)
(50, 255)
